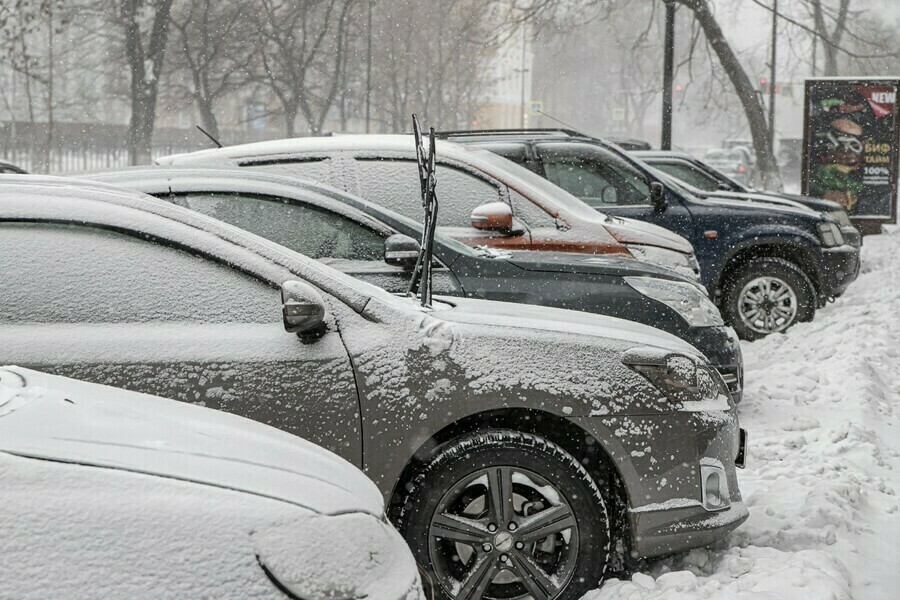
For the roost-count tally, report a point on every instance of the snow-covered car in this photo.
(485, 199)
(108, 493)
(521, 449)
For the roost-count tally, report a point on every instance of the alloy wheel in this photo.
(503, 533)
(767, 305)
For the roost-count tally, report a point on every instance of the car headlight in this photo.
(830, 234)
(353, 555)
(690, 382)
(841, 217)
(686, 264)
(686, 299)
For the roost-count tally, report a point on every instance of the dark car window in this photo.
(594, 175)
(510, 151)
(394, 184)
(306, 229)
(77, 274)
(690, 175)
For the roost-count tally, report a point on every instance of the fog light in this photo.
(714, 486)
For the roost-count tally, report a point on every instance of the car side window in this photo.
(394, 184)
(81, 274)
(690, 175)
(533, 215)
(309, 230)
(598, 177)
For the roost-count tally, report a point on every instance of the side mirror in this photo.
(302, 308)
(658, 196)
(401, 251)
(494, 216)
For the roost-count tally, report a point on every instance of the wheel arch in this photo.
(569, 436)
(796, 253)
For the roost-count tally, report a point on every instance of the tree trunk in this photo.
(746, 92)
(145, 64)
(207, 115)
(830, 39)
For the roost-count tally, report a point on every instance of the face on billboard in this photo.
(850, 145)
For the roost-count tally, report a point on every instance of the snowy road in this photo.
(822, 483)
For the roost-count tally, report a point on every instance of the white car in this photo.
(108, 493)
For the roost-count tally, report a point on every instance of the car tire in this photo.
(501, 514)
(767, 295)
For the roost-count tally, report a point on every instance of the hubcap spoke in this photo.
(501, 494)
(532, 576)
(457, 529)
(479, 579)
(546, 522)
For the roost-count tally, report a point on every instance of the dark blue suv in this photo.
(766, 266)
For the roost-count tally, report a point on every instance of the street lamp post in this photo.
(668, 76)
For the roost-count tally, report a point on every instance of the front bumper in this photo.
(840, 267)
(659, 458)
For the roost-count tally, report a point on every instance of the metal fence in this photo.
(91, 146)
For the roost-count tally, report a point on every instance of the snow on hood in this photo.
(632, 231)
(558, 320)
(571, 262)
(739, 200)
(758, 197)
(61, 419)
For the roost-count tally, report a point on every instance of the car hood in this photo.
(742, 201)
(55, 418)
(779, 199)
(557, 320)
(568, 262)
(632, 231)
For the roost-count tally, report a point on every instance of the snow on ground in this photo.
(822, 483)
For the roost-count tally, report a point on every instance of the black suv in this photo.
(767, 266)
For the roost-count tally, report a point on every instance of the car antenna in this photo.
(207, 134)
(421, 277)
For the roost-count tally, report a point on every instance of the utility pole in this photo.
(772, 60)
(369, 72)
(523, 70)
(668, 76)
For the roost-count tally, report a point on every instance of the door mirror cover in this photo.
(658, 196)
(493, 216)
(302, 308)
(401, 251)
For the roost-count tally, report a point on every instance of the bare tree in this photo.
(211, 46)
(831, 37)
(145, 28)
(302, 54)
(744, 88)
(27, 45)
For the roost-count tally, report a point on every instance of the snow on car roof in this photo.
(60, 419)
(27, 196)
(202, 178)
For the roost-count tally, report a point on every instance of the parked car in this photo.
(736, 162)
(520, 449)
(766, 266)
(704, 181)
(112, 494)
(7, 168)
(480, 193)
(379, 246)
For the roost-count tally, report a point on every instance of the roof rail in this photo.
(477, 132)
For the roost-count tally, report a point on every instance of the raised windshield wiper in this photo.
(422, 272)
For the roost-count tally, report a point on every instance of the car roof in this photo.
(58, 199)
(643, 154)
(188, 178)
(60, 419)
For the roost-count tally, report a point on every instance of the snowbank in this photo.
(821, 406)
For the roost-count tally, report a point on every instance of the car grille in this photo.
(732, 378)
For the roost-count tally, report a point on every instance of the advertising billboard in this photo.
(850, 147)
